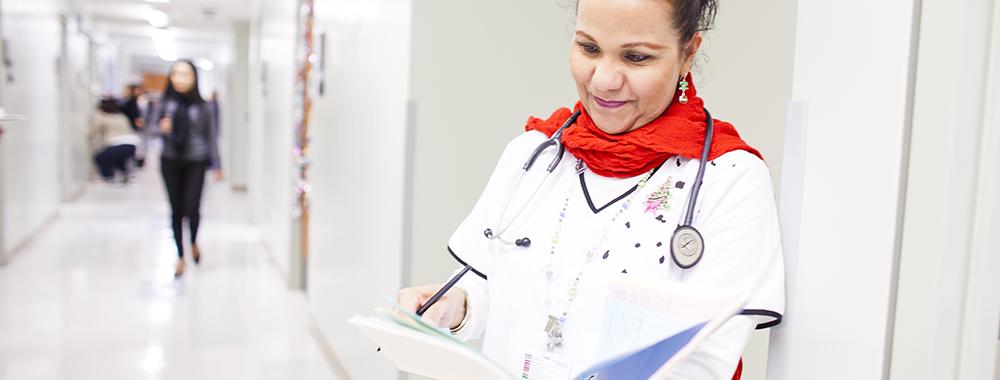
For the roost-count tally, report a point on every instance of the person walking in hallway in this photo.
(135, 108)
(190, 148)
(112, 140)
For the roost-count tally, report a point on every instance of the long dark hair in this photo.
(193, 96)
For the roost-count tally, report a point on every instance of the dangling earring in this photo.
(683, 87)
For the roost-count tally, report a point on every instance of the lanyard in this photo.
(556, 320)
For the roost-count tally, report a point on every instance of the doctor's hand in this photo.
(449, 311)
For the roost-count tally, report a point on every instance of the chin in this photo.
(612, 123)
(611, 126)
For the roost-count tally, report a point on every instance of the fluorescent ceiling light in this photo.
(158, 1)
(165, 46)
(157, 18)
(204, 64)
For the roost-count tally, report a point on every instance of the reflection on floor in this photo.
(93, 296)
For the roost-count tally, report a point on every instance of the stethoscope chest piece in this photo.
(686, 246)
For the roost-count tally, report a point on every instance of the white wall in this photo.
(30, 150)
(475, 80)
(948, 295)
(77, 72)
(357, 173)
(850, 70)
(271, 187)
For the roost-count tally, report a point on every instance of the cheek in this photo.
(655, 89)
(582, 70)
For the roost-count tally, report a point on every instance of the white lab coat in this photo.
(508, 294)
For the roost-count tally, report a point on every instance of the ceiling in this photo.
(193, 28)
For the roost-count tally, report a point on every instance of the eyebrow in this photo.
(628, 45)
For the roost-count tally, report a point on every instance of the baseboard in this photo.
(26, 242)
(326, 349)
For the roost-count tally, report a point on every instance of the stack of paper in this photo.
(422, 349)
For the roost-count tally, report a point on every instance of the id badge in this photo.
(544, 365)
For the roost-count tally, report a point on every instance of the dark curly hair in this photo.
(691, 16)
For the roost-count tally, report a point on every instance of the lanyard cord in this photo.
(554, 326)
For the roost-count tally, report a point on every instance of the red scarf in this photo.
(680, 130)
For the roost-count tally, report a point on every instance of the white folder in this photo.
(429, 355)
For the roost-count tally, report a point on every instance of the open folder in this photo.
(419, 348)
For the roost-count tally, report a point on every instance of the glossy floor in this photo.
(93, 296)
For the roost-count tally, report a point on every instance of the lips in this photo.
(609, 103)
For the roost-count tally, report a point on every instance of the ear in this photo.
(689, 53)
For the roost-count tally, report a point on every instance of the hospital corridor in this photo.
(93, 296)
(499, 190)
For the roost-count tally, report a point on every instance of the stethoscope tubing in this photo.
(699, 178)
(556, 139)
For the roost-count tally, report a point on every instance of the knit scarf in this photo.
(679, 131)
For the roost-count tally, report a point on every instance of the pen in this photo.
(444, 289)
(437, 296)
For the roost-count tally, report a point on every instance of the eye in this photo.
(589, 48)
(636, 57)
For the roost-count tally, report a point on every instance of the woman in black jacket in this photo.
(190, 148)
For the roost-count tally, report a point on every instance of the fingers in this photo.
(440, 314)
(409, 299)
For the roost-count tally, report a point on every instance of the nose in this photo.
(607, 78)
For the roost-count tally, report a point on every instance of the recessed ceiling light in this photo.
(157, 18)
(158, 1)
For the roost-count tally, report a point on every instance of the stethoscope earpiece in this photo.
(522, 242)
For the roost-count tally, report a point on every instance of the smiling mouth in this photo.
(609, 103)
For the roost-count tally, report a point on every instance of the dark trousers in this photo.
(184, 181)
(113, 158)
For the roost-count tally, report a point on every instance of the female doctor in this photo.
(617, 203)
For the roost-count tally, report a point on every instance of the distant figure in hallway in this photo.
(214, 103)
(190, 148)
(135, 108)
(112, 140)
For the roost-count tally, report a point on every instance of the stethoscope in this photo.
(686, 245)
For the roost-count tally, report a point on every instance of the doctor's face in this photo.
(626, 60)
